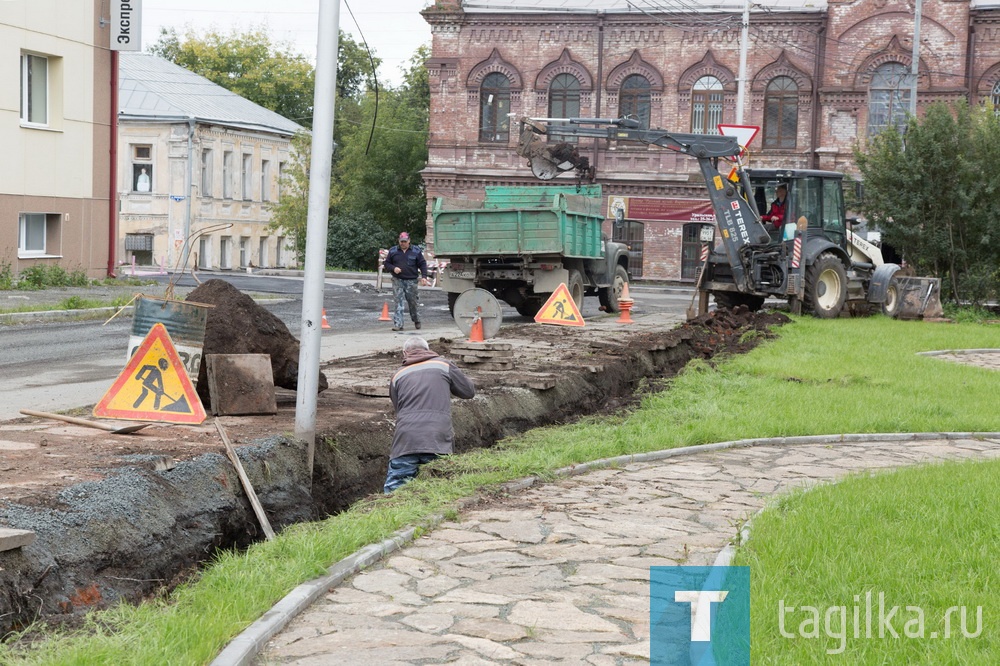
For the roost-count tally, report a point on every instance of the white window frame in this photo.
(265, 180)
(227, 174)
(226, 252)
(24, 219)
(246, 171)
(207, 166)
(27, 101)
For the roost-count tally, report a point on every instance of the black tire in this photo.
(730, 299)
(826, 286)
(452, 299)
(609, 296)
(575, 287)
(528, 307)
(890, 306)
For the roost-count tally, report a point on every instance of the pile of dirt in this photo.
(113, 523)
(237, 325)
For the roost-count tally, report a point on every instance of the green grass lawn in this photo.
(819, 377)
(828, 566)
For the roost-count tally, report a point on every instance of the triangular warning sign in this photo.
(153, 386)
(560, 309)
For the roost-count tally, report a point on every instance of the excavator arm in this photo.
(736, 214)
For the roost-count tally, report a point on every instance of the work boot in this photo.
(417, 325)
(397, 328)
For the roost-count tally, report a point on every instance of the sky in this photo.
(393, 28)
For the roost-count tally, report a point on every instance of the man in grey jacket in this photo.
(421, 394)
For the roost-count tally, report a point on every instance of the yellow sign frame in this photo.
(555, 309)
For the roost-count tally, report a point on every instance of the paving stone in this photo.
(414, 568)
(485, 647)
(460, 610)
(429, 622)
(494, 630)
(555, 652)
(485, 545)
(435, 585)
(522, 531)
(465, 596)
(556, 616)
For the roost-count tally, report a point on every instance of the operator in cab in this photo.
(776, 213)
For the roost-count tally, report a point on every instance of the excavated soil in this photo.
(121, 517)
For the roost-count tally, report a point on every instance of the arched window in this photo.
(633, 99)
(781, 113)
(564, 100)
(706, 105)
(888, 98)
(996, 98)
(494, 105)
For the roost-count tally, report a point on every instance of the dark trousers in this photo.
(404, 468)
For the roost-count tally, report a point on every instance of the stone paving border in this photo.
(243, 649)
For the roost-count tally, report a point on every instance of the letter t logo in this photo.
(701, 610)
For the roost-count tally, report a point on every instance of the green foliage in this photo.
(6, 275)
(40, 276)
(353, 241)
(935, 195)
(247, 63)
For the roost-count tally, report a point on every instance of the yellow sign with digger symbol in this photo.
(560, 309)
(154, 386)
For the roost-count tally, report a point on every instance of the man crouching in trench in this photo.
(421, 395)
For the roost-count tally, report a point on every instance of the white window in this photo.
(281, 179)
(244, 251)
(205, 252)
(225, 252)
(142, 168)
(207, 165)
(265, 180)
(31, 236)
(262, 253)
(227, 174)
(247, 177)
(34, 89)
(279, 253)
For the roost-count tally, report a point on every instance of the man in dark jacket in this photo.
(405, 264)
(421, 394)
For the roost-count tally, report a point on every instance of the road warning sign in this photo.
(153, 386)
(560, 309)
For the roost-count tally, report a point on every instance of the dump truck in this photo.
(521, 243)
(814, 260)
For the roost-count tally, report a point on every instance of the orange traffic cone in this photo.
(325, 324)
(626, 316)
(625, 296)
(385, 312)
(476, 334)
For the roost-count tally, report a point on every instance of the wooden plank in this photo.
(245, 480)
(11, 538)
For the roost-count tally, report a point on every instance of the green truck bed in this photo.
(521, 220)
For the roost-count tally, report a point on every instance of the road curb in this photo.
(244, 648)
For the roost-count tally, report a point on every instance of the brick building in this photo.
(820, 76)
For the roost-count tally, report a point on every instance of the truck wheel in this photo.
(890, 306)
(826, 286)
(729, 300)
(575, 286)
(609, 296)
(452, 298)
(528, 307)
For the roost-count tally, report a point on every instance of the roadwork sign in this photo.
(153, 386)
(560, 309)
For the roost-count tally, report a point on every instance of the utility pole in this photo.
(317, 221)
(741, 84)
(915, 65)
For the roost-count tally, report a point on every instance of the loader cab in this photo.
(817, 196)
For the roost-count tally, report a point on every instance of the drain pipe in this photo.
(113, 175)
(188, 184)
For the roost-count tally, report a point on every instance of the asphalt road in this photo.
(54, 365)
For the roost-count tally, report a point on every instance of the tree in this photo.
(932, 193)
(249, 64)
(354, 240)
(379, 171)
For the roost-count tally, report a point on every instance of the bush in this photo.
(6, 276)
(353, 241)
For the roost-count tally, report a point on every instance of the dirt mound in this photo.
(237, 325)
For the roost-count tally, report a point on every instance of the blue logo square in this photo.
(699, 616)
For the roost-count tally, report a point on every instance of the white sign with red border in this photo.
(744, 133)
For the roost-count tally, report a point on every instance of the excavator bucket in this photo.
(548, 160)
(919, 298)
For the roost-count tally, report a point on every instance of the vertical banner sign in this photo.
(126, 25)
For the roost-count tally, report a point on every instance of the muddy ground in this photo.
(121, 517)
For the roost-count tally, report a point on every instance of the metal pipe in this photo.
(113, 176)
(317, 222)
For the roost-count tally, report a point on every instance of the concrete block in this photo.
(11, 538)
(241, 384)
